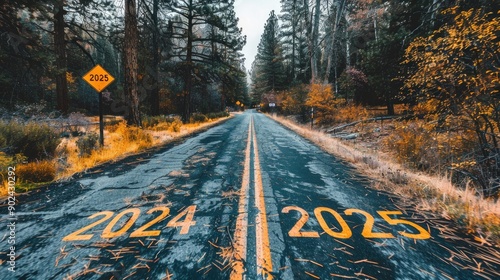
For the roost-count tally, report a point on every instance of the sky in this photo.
(253, 15)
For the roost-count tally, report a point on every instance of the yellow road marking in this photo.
(240, 234)
(264, 263)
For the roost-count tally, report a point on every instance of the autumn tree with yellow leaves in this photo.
(321, 98)
(456, 71)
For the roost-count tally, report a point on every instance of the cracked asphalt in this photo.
(247, 199)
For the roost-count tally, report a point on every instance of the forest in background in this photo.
(177, 65)
(439, 59)
(168, 57)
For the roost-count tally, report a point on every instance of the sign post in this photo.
(272, 105)
(99, 79)
(312, 117)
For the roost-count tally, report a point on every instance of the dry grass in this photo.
(477, 215)
(37, 171)
(29, 175)
(4, 189)
(121, 141)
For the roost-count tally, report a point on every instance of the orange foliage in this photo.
(454, 73)
(321, 98)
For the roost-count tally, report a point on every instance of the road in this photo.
(248, 199)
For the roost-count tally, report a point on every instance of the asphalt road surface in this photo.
(248, 199)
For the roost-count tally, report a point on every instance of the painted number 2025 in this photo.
(345, 231)
(99, 78)
(143, 231)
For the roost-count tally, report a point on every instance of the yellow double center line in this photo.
(263, 251)
(240, 234)
(264, 263)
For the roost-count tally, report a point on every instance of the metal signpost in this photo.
(312, 117)
(99, 79)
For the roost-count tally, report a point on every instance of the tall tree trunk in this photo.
(308, 25)
(314, 43)
(347, 49)
(222, 101)
(130, 61)
(330, 50)
(188, 81)
(61, 58)
(329, 53)
(390, 107)
(155, 91)
(294, 30)
(330, 40)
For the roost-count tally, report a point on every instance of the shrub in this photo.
(175, 125)
(35, 141)
(10, 133)
(413, 144)
(427, 146)
(36, 172)
(292, 100)
(353, 84)
(6, 161)
(87, 144)
(173, 118)
(151, 121)
(198, 118)
(134, 134)
(3, 140)
(349, 113)
(218, 115)
(112, 128)
(160, 123)
(321, 98)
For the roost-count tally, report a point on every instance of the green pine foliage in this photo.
(268, 68)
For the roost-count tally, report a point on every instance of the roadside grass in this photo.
(479, 216)
(78, 154)
(121, 141)
(29, 175)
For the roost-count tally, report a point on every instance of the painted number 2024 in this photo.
(345, 231)
(143, 231)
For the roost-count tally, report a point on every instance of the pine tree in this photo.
(227, 61)
(42, 33)
(61, 58)
(336, 17)
(293, 40)
(156, 28)
(23, 59)
(205, 38)
(268, 68)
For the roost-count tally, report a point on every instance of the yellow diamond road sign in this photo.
(98, 78)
